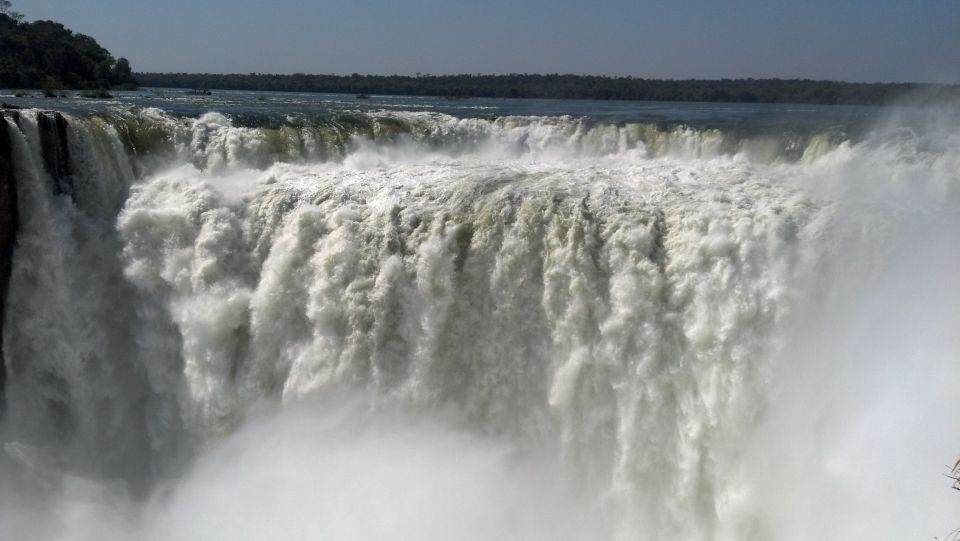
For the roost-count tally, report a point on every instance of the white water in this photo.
(521, 329)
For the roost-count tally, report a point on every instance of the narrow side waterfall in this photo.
(407, 325)
(8, 235)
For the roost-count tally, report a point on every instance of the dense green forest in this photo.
(45, 54)
(568, 87)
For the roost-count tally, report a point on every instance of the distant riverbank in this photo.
(570, 87)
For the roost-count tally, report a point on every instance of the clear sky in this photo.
(853, 40)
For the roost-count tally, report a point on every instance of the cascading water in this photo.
(414, 326)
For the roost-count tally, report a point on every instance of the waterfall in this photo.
(621, 304)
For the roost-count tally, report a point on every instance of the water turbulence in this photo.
(413, 326)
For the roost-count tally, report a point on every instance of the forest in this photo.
(47, 55)
(569, 87)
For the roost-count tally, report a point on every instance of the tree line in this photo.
(45, 54)
(568, 87)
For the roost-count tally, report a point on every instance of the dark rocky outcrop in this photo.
(56, 153)
(8, 237)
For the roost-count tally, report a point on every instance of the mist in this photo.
(324, 468)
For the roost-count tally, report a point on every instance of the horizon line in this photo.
(556, 74)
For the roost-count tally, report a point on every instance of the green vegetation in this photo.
(568, 87)
(48, 56)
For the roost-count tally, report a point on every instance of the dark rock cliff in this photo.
(56, 154)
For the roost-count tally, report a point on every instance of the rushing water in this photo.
(251, 316)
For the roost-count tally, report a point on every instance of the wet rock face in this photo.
(8, 234)
(56, 155)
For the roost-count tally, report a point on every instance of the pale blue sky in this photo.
(856, 40)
